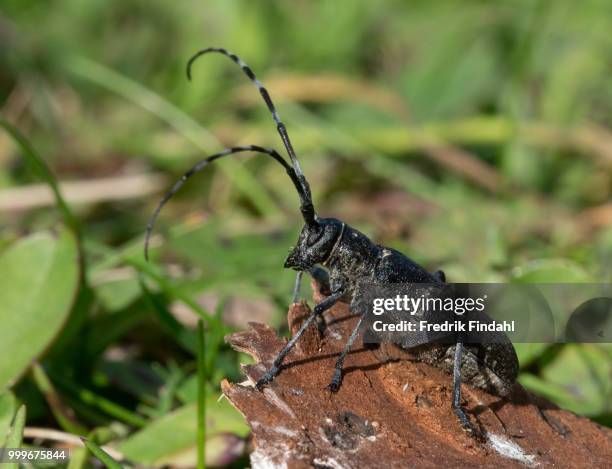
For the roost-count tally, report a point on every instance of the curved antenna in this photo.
(266, 97)
(305, 203)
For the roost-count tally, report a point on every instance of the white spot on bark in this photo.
(248, 383)
(510, 449)
(284, 431)
(270, 457)
(328, 462)
(273, 399)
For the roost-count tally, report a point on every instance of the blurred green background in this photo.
(474, 136)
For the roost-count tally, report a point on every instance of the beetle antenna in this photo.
(305, 202)
(309, 216)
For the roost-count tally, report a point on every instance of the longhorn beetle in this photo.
(353, 262)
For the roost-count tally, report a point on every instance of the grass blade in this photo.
(42, 170)
(15, 437)
(102, 455)
(8, 407)
(59, 410)
(107, 406)
(78, 458)
(201, 436)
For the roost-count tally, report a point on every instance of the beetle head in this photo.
(315, 244)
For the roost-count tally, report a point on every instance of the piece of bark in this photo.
(392, 411)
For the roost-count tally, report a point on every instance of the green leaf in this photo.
(38, 285)
(8, 405)
(173, 436)
(15, 436)
(578, 379)
(102, 455)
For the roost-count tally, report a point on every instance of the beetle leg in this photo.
(297, 286)
(337, 378)
(440, 275)
(457, 390)
(321, 276)
(552, 423)
(276, 364)
(296, 299)
(321, 325)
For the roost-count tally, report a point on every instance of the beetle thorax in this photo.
(354, 255)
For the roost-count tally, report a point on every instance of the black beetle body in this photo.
(354, 264)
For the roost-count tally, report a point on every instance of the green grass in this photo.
(101, 455)
(202, 378)
(430, 102)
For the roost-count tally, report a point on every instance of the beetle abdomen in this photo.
(492, 367)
